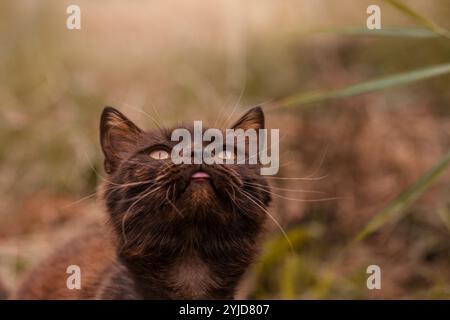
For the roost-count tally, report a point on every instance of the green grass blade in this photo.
(396, 209)
(419, 18)
(444, 215)
(364, 87)
(384, 32)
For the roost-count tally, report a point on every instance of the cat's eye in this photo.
(159, 154)
(226, 155)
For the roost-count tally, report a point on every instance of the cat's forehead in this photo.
(164, 135)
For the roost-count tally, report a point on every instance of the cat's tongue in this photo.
(200, 175)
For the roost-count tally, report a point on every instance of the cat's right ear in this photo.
(118, 135)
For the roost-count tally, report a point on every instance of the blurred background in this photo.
(186, 60)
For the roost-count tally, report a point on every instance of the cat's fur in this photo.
(3, 291)
(169, 237)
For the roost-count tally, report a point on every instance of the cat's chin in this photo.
(199, 194)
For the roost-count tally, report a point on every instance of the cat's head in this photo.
(151, 199)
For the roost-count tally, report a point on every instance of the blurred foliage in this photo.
(419, 18)
(366, 87)
(293, 272)
(400, 205)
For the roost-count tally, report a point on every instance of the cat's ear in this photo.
(252, 119)
(118, 135)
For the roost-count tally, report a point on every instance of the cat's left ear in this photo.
(252, 119)
(118, 135)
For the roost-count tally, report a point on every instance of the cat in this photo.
(186, 231)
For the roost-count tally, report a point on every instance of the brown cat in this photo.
(175, 232)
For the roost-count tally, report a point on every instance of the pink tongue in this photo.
(200, 175)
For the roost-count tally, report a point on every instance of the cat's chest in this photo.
(191, 277)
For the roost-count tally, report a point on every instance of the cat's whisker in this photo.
(222, 109)
(79, 201)
(138, 196)
(260, 205)
(157, 183)
(116, 187)
(130, 184)
(234, 193)
(157, 115)
(299, 200)
(155, 122)
(172, 204)
(261, 104)
(283, 189)
(321, 161)
(134, 183)
(97, 173)
(125, 216)
(93, 168)
(297, 178)
(232, 198)
(234, 107)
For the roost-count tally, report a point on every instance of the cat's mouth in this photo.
(200, 177)
(196, 178)
(204, 183)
